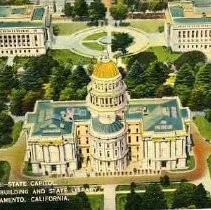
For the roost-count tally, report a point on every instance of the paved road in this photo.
(74, 42)
(15, 156)
(109, 197)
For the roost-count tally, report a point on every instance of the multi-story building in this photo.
(188, 25)
(24, 30)
(109, 133)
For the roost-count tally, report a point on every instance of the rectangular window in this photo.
(53, 168)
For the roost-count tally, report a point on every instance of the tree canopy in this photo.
(119, 11)
(97, 10)
(121, 41)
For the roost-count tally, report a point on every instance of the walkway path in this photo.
(109, 197)
(15, 156)
(74, 42)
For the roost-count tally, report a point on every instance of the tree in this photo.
(79, 78)
(68, 9)
(83, 201)
(16, 98)
(135, 75)
(97, 10)
(37, 72)
(133, 200)
(200, 197)
(121, 41)
(119, 11)
(185, 76)
(154, 198)
(156, 73)
(80, 8)
(29, 100)
(6, 125)
(144, 58)
(7, 82)
(164, 90)
(208, 115)
(183, 196)
(164, 180)
(192, 58)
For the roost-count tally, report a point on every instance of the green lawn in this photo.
(164, 54)
(4, 171)
(96, 36)
(204, 126)
(96, 202)
(94, 46)
(64, 56)
(209, 164)
(70, 28)
(149, 26)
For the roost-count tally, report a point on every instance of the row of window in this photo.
(193, 34)
(194, 46)
(11, 52)
(129, 139)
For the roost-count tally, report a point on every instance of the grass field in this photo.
(209, 164)
(96, 202)
(191, 162)
(94, 46)
(64, 56)
(4, 171)
(204, 127)
(96, 36)
(149, 26)
(164, 54)
(70, 28)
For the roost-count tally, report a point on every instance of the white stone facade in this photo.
(28, 33)
(108, 133)
(183, 38)
(188, 27)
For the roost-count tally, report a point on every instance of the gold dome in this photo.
(105, 70)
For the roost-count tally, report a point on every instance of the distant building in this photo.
(109, 133)
(24, 30)
(188, 25)
(57, 6)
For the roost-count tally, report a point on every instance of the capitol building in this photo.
(108, 133)
(188, 25)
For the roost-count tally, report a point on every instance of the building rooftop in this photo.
(57, 118)
(187, 12)
(20, 16)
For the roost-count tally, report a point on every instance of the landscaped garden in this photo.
(4, 171)
(204, 126)
(94, 46)
(96, 36)
(64, 56)
(164, 54)
(69, 28)
(149, 26)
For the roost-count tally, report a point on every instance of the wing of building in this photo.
(109, 133)
(24, 30)
(188, 25)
